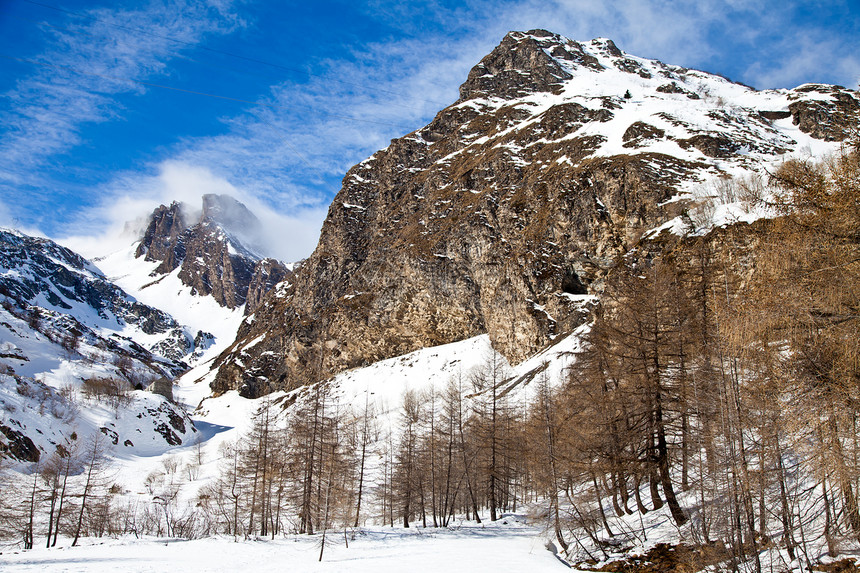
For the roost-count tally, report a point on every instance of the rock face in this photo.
(18, 446)
(498, 215)
(267, 273)
(831, 114)
(162, 387)
(207, 248)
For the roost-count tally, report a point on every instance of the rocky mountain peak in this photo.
(162, 237)
(210, 249)
(526, 62)
(503, 214)
(229, 213)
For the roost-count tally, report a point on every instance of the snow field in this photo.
(511, 544)
(167, 293)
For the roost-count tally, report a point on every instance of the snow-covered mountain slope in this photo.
(211, 325)
(431, 369)
(634, 106)
(70, 327)
(38, 420)
(381, 385)
(73, 349)
(62, 299)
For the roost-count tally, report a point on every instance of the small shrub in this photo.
(34, 320)
(69, 391)
(752, 192)
(726, 189)
(114, 391)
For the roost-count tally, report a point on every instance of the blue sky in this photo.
(98, 123)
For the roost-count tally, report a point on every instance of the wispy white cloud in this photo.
(806, 56)
(9, 220)
(287, 235)
(46, 110)
(6, 218)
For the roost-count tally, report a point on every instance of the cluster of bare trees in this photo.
(302, 475)
(310, 465)
(721, 379)
(65, 493)
(458, 452)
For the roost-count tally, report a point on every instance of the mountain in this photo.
(502, 214)
(66, 300)
(76, 352)
(213, 250)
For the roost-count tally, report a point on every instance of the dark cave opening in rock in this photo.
(571, 284)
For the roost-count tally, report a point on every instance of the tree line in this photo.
(720, 379)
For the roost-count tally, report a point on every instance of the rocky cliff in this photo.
(210, 247)
(501, 213)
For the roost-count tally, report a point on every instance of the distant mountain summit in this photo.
(504, 213)
(213, 248)
(231, 214)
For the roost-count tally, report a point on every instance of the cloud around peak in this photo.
(121, 219)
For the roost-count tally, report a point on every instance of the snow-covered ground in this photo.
(511, 544)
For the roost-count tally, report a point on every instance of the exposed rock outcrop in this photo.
(267, 273)
(503, 211)
(18, 446)
(211, 250)
(831, 114)
(162, 387)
